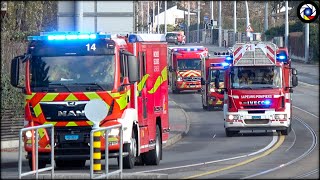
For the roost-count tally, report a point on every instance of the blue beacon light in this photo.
(267, 102)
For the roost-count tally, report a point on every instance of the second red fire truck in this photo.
(212, 97)
(258, 87)
(64, 71)
(184, 67)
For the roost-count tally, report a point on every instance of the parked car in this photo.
(176, 38)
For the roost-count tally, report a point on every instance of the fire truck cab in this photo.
(185, 68)
(258, 87)
(65, 70)
(212, 97)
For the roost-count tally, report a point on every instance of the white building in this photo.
(171, 14)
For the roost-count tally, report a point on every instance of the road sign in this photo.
(249, 28)
(206, 18)
(96, 110)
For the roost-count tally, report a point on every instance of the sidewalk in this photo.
(179, 125)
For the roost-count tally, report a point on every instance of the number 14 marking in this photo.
(91, 47)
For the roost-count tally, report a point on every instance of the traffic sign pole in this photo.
(96, 110)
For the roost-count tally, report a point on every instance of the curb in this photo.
(179, 136)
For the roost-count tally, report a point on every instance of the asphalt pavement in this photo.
(179, 126)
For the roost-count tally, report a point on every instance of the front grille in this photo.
(63, 111)
(192, 78)
(256, 121)
(61, 132)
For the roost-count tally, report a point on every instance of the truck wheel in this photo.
(41, 164)
(175, 91)
(230, 133)
(153, 157)
(286, 131)
(131, 148)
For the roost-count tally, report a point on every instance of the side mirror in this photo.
(294, 71)
(133, 69)
(15, 65)
(202, 81)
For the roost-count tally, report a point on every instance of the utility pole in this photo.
(247, 19)
(286, 33)
(148, 18)
(78, 15)
(220, 26)
(188, 32)
(212, 18)
(234, 21)
(198, 26)
(142, 23)
(158, 24)
(265, 19)
(153, 6)
(306, 40)
(165, 17)
(137, 15)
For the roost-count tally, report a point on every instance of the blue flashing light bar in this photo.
(224, 64)
(229, 58)
(69, 36)
(188, 49)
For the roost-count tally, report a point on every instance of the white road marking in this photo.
(306, 111)
(294, 140)
(306, 84)
(214, 136)
(274, 140)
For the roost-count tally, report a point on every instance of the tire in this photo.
(41, 164)
(230, 133)
(129, 160)
(175, 91)
(153, 157)
(286, 131)
(70, 163)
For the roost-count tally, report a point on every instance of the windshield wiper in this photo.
(91, 84)
(61, 84)
(246, 87)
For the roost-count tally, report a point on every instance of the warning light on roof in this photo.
(282, 57)
(69, 36)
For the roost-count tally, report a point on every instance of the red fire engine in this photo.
(64, 71)
(185, 68)
(212, 97)
(258, 87)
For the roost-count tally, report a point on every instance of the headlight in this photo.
(212, 90)
(234, 117)
(280, 116)
(28, 134)
(179, 78)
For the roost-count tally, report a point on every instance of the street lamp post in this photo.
(198, 26)
(286, 34)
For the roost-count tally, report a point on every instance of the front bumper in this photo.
(188, 85)
(246, 121)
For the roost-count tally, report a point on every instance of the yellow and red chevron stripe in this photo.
(190, 73)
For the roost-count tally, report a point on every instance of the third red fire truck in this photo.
(185, 68)
(66, 70)
(258, 87)
(212, 97)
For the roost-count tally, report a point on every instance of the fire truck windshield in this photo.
(189, 64)
(258, 77)
(213, 74)
(73, 73)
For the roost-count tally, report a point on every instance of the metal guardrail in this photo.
(36, 148)
(107, 131)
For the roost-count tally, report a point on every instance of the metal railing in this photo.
(107, 131)
(36, 149)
